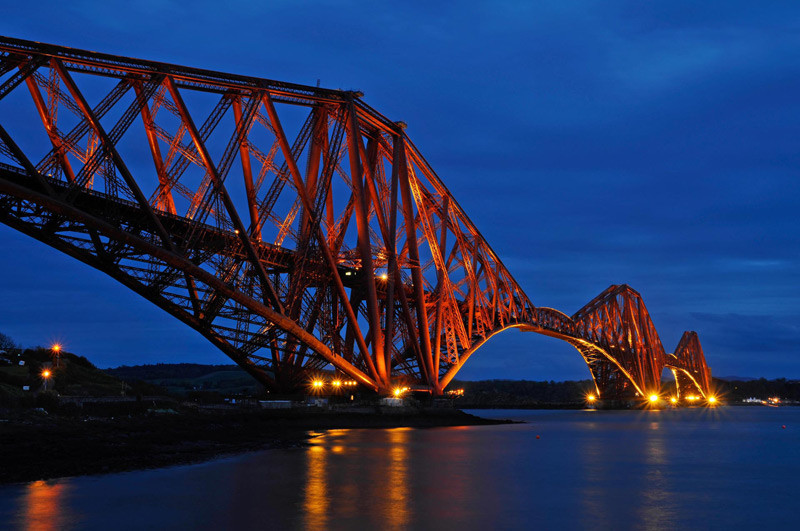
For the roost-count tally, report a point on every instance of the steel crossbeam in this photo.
(352, 255)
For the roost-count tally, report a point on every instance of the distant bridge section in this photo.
(618, 341)
(294, 227)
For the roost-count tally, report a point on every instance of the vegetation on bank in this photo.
(510, 394)
(190, 378)
(40, 377)
(762, 389)
(525, 394)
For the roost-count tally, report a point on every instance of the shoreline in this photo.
(40, 447)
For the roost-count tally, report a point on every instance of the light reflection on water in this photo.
(43, 505)
(397, 511)
(596, 471)
(335, 489)
(316, 499)
(589, 469)
(657, 507)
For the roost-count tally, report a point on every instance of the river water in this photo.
(729, 467)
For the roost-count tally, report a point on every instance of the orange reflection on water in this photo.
(316, 492)
(397, 511)
(335, 492)
(43, 506)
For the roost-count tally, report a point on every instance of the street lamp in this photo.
(399, 391)
(46, 374)
(56, 349)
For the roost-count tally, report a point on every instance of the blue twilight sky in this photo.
(592, 142)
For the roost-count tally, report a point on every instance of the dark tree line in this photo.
(6, 343)
(165, 371)
(522, 393)
(761, 388)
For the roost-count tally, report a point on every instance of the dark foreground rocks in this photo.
(36, 446)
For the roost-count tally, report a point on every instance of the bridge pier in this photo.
(356, 258)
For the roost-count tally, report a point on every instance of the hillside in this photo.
(25, 372)
(182, 378)
(164, 371)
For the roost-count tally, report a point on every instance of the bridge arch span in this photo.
(296, 228)
(684, 387)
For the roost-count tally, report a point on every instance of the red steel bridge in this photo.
(295, 227)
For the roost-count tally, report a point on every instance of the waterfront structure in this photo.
(334, 246)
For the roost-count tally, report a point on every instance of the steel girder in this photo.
(618, 341)
(295, 227)
(688, 364)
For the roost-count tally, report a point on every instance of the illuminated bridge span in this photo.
(295, 227)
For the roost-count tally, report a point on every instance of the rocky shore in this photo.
(38, 446)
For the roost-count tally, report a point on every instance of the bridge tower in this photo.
(296, 228)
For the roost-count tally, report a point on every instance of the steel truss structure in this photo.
(295, 227)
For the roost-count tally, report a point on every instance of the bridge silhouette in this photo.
(294, 227)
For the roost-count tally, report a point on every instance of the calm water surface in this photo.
(689, 469)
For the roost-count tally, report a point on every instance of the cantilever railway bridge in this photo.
(295, 227)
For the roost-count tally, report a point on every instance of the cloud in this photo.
(591, 142)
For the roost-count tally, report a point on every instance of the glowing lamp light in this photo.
(317, 384)
(46, 374)
(673, 400)
(337, 383)
(591, 398)
(56, 348)
(384, 277)
(712, 399)
(653, 398)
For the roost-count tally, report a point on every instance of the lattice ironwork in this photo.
(618, 341)
(295, 227)
(688, 364)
